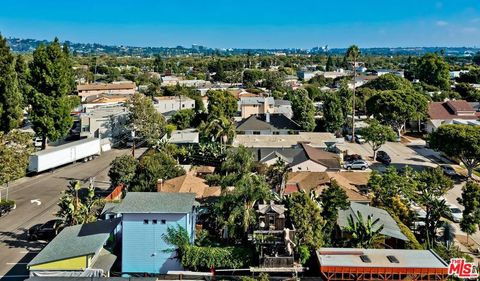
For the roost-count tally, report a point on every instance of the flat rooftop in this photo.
(351, 257)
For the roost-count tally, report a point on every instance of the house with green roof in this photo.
(78, 251)
(145, 217)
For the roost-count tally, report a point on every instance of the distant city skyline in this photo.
(247, 24)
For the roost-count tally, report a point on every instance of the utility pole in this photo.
(133, 142)
(353, 96)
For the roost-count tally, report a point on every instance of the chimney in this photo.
(267, 117)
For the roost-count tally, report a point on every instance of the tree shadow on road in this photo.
(19, 240)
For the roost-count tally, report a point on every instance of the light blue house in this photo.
(145, 218)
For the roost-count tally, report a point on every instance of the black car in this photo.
(383, 157)
(46, 231)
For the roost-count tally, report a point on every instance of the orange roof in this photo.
(188, 183)
(318, 181)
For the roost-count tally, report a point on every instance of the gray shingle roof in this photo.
(277, 122)
(390, 227)
(156, 202)
(75, 241)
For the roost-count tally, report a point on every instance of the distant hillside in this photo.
(28, 45)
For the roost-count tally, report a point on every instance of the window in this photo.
(163, 221)
(145, 221)
(154, 221)
(183, 105)
(256, 132)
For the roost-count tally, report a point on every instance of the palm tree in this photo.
(352, 54)
(363, 233)
(221, 129)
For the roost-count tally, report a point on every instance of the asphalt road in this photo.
(36, 199)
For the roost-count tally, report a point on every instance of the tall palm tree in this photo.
(353, 53)
(221, 129)
(363, 233)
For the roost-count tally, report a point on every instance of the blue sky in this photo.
(247, 23)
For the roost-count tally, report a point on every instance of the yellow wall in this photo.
(78, 263)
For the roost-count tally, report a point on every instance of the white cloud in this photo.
(441, 23)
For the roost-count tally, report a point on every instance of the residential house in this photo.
(189, 184)
(146, 216)
(394, 238)
(306, 75)
(116, 88)
(340, 264)
(182, 137)
(249, 106)
(313, 159)
(450, 112)
(268, 124)
(105, 122)
(173, 103)
(319, 181)
(316, 139)
(380, 72)
(456, 73)
(83, 250)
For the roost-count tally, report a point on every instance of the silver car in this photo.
(356, 165)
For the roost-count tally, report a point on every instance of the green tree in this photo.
(458, 141)
(15, 147)
(377, 135)
(385, 186)
(154, 166)
(76, 209)
(389, 82)
(276, 174)
(471, 202)
(144, 119)
(221, 130)
(472, 76)
(221, 104)
(158, 64)
(303, 109)
(395, 108)
(363, 233)
(329, 65)
(238, 160)
(476, 59)
(333, 113)
(22, 70)
(219, 72)
(11, 99)
(433, 70)
(122, 170)
(467, 92)
(306, 216)
(333, 199)
(52, 80)
(183, 118)
(251, 76)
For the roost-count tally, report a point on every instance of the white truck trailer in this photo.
(54, 157)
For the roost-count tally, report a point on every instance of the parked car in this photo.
(46, 231)
(383, 157)
(449, 171)
(456, 214)
(359, 139)
(356, 165)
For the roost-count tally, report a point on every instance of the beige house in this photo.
(248, 106)
(119, 88)
(450, 112)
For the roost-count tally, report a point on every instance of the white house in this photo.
(173, 103)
